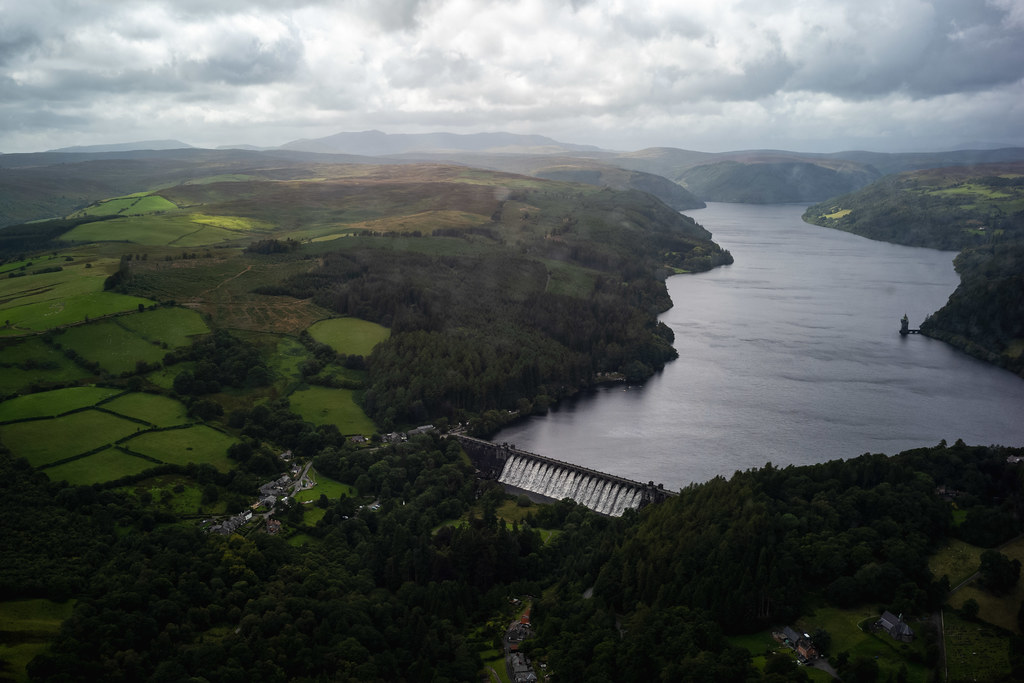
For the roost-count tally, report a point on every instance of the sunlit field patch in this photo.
(43, 301)
(179, 229)
(350, 336)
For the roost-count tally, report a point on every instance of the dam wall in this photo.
(549, 479)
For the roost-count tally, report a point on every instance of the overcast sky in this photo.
(712, 75)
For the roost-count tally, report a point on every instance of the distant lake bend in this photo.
(790, 355)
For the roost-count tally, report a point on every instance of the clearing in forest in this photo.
(351, 336)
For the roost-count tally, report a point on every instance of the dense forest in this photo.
(397, 593)
(985, 314)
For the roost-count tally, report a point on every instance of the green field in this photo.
(326, 486)
(28, 626)
(164, 377)
(32, 363)
(998, 610)
(198, 444)
(41, 302)
(323, 405)
(159, 411)
(299, 540)
(128, 205)
(284, 363)
(172, 326)
(338, 375)
(53, 403)
(494, 660)
(107, 465)
(45, 441)
(178, 229)
(570, 280)
(174, 493)
(974, 651)
(116, 349)
(311, 514)
(110, 207)
(956, 560)
(351, 336)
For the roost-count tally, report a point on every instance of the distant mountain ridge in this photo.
(377, 143)
(142, 145)
(779, 176)
(54, 183)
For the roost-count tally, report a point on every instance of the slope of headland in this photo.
(978, 210)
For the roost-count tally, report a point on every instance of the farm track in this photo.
(227, 280)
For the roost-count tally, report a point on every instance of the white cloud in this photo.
(825, 74)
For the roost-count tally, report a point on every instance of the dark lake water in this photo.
(791, 355)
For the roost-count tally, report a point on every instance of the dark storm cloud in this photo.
(921, 49)
(15, 41)
(247, 60)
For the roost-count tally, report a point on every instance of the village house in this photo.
(521, 672)
(800, 643)
(895, 627)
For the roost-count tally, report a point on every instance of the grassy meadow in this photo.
(177, 229)
(326, 486)
(174, 493)
(31, 364)
(132, 204)
(198, 444)
(42, 301)
(1000, 610)
(28, 627)
(42, 442)
(115, 348)
(106, 465)
(53, 403)
(974, 651)
(173, 326)
(956, 560)
(159, 411)
(351, 336)
(323, 405)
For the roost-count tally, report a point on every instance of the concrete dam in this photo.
(546, 479)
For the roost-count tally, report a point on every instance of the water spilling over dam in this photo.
(547, 479)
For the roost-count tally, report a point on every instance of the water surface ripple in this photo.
(791, 355)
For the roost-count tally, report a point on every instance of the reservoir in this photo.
(791, 355)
